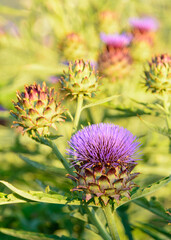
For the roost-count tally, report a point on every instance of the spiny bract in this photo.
(38, 110)
(104, 156)
(158, 74)
(80, 78)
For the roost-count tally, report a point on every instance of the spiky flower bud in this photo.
(115, 61)
(158, 74)
(38, 110)
(104, 156)
(80, 78)
(73, 47)
(143, 30)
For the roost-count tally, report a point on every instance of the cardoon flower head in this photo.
(104, 156)
(116, 40)
(38, 110)
(158, 74)
(144, 24)
(80, 78)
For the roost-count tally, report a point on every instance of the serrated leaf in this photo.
(10, 199)
(153, 206)
(142, 192)
(148, 232)
(156, 228)
(162, 131)
(31, 235)
(39, 196)
(40, 166)
(99, 102)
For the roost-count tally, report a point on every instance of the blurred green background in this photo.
(34, 47)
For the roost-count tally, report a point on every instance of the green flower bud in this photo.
(158, 74)
(80, 78)
(38, 110)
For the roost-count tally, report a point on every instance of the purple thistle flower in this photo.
(116, 40)
(105, 145)
(144, 23)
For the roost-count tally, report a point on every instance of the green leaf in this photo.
(153, 206)
(40, 166)
(79, 216)
(156, 228)
(99, 102)
(163, 131)
(148, 232)
(142, 192)
(31, 235)
(10, 198)
(122, 212)
(37, 196)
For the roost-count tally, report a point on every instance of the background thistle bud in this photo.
(143, 31)
(108, 21)
(115, 61)
(158, 74)
(38, 110)
(73, 47)
(80, 78)
(104, 156)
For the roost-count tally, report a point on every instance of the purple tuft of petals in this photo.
(103, 144)
(144, 23)
(116, 40)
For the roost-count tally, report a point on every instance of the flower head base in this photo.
(145, 24)
(38, 110)
(116, 40)
(104, 156)
(158, 74)
(80, 78)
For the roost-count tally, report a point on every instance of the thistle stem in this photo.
(96, 222)
(166, 106)
(60, 157)
(78, 111)
(111, 222)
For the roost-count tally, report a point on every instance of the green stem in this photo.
(78, 111)
(60, 157)
(166, 106)
(111, 222)
(96, 222)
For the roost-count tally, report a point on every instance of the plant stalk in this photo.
(96, 222)
(111, 222)
(78, 111)
(60, 157)
(166, 105)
